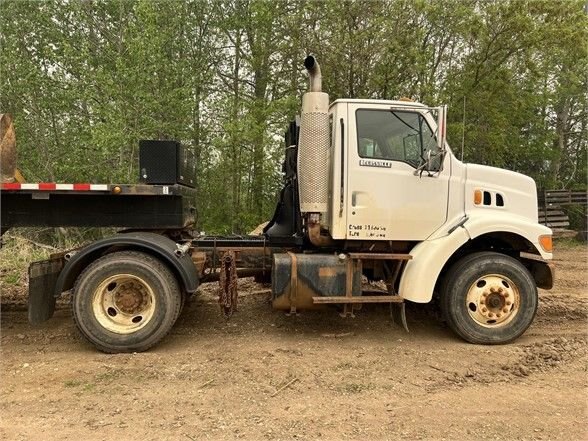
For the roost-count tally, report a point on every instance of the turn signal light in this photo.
(477, 197)
(546, 243)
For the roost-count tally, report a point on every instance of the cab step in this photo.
(358, 299)
(397, 305)
(380, 256)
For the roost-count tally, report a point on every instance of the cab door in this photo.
(385, 199)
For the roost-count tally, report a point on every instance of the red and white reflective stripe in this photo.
(48, 186)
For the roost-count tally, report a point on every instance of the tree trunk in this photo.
(559, 143)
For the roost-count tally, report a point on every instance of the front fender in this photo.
(428, 258)
(508, 223)
(155, 244)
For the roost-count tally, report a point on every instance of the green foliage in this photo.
(567, 243)
(15, 256)
(578, 217)
(86, 80)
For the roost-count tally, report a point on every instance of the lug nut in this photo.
(490, 315)
(508, 303)
(498, 315)
(505, 310)
(492, 289)
(484, 309)
(506, 294)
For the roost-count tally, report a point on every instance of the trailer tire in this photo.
(489, 298)
(126, 301)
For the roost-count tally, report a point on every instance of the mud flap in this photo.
(42, 279)
(398, 313)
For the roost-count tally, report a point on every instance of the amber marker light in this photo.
(477, 197)
(546, 243)
(116, 190)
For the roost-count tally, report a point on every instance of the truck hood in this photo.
(518, 191)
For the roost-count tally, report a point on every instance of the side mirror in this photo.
(433, 162)
(427, 165)
(429, 162)
(441, 126)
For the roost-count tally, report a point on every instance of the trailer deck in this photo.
(156, 207)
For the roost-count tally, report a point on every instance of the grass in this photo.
(567, 242)
(15, 256)
(108, 377)
(85, 387)
(72, 383)
(354, 388)
(21, 246)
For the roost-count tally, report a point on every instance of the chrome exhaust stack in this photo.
(314, 74)
(313, 145)
(313, 154)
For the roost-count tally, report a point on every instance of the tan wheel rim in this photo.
(123, 303)
(493, 301)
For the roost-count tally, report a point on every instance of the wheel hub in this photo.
(123, 303)
(131, 298)
(493, 300)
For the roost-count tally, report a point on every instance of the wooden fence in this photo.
(552, 207)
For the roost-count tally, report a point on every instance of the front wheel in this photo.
(126, 301)
(489, 298)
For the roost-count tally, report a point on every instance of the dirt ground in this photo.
(263, 375)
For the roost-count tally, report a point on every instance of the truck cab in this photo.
(390, 179)
(379, 186)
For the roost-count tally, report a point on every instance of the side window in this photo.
(394, 135)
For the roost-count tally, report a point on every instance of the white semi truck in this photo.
(371, 190)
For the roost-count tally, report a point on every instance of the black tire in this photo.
(155, 278)
(464, 318)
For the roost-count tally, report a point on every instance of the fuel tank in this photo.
(297, 278)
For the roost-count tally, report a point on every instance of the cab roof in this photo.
(372, 101)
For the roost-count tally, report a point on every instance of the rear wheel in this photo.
(126, 302)
(489, 298)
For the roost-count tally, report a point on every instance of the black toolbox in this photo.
(166, 162)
